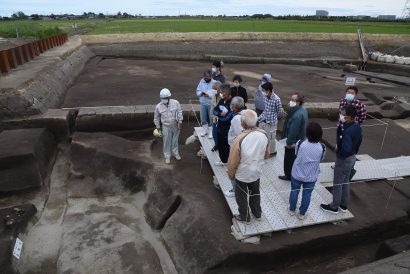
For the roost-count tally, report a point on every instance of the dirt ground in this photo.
(96, 215)
(113, 82)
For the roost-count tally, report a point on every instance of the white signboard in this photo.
(17, 248)
(350, 81)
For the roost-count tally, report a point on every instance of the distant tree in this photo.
(19, 15)
(100, 15)
(119, 14)
(35, 17)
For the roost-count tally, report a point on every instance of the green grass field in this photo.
(29, 28)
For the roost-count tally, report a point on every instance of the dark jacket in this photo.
(224, 123)
(348, 140)
(294, 128)
(220, 77)
(239, 91)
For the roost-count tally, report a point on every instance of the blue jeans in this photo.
(204, 113)
(306, 194)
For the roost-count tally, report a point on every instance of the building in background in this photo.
(386, 17)
(324, 13)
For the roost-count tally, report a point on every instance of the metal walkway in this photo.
(274, 196)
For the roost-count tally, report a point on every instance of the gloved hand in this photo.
(160, 133)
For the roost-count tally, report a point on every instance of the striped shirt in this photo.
(308, 157)
(273, 107)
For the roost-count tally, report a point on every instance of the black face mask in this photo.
(207, 80)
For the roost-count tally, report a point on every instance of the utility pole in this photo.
(406, 10)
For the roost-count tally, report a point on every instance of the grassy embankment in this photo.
(41, 28)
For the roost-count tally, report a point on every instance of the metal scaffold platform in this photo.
(275, 192)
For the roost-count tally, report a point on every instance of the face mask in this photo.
(236, 84)
(292, 104)
(349, 97)
(164, 101)
(342, 118)
(213, 69)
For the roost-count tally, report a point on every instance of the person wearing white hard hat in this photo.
(259, 97)
(168, 114)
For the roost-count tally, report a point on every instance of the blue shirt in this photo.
(273, 107)
(308, 157)
(207, 88)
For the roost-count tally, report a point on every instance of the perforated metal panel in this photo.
(274, 196)
(370, 169)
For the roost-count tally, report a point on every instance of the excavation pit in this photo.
(111, 204)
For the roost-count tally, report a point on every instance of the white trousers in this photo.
(170, 141)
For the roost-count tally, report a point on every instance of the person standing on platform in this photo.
(294, 130)
(215, 99)
(237, 105)
(349, 139)
(205, 93)
(224, 114)
(217, 71)
(238, 89)
(259, 96)
(168, 113)
(268, 120)
(248, 151)
(306, 169)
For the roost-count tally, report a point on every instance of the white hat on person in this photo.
(165, 93)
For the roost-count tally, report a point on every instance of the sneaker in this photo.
(273, 154)
(291, 213)
(239, 219)
(283, 177)
(215, 148)
(300, 216)
(219, 163)
(230, 193)
(258, 219)
(167, 161)
(343, 209)
(178, 157)
(329, 209)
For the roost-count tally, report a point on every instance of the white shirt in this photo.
(253, 149)
(235, 129)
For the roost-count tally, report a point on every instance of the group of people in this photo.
(244, 138)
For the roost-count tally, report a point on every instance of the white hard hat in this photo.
(165, 93)
(267, 76)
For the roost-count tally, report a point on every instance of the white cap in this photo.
(165, 93)
(267, 76)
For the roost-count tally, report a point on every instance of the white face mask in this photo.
(164, 101)
(342, 118)
(213, 69)
(236, 84)
(292, 104)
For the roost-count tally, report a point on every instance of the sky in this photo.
(203, 7)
